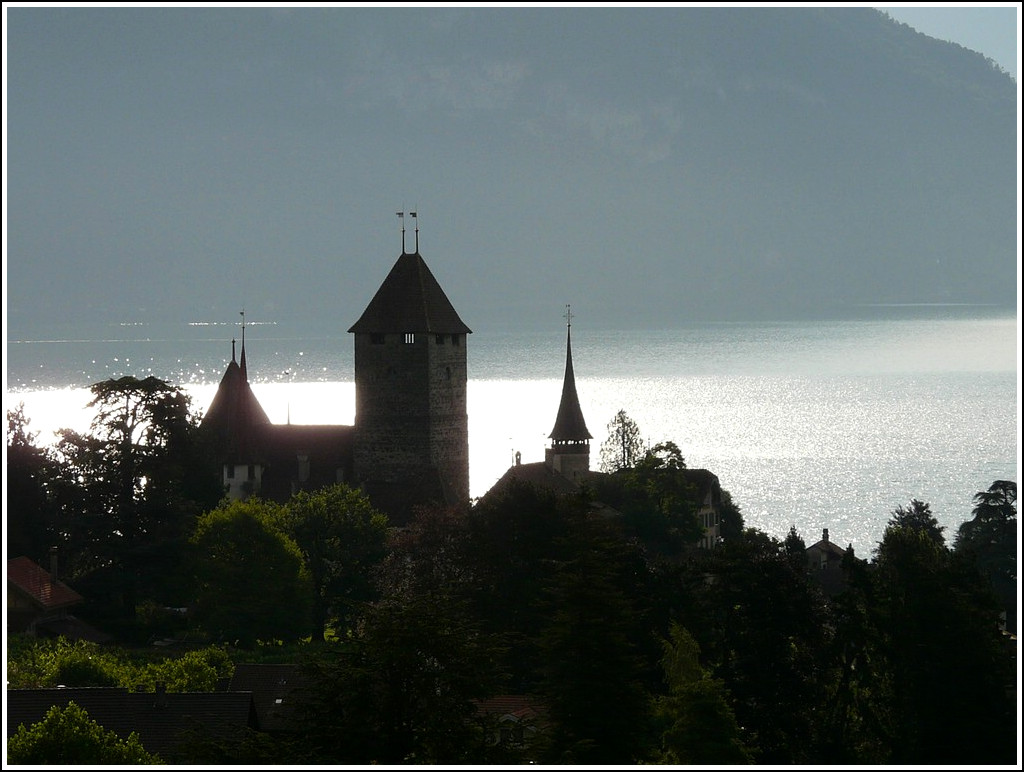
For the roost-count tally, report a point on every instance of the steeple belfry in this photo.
(569, 453)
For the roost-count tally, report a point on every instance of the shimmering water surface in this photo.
(818, 425)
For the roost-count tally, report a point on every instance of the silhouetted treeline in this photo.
(633, 646)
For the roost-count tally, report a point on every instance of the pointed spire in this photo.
(241, 364)
(570, 425)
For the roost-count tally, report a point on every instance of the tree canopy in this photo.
(68, 736)
(252, 584)
(624, 446)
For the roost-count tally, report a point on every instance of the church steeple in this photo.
(570, 439)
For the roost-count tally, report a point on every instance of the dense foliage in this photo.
(68, 736)
(629, 643)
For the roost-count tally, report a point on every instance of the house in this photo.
(825, 564)
(163, 720)
(39, 604)
(409, 444)
(517, 720)
(277, 690)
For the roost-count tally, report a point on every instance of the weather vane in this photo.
(568, 315)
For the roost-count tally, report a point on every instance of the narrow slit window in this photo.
(410, 337)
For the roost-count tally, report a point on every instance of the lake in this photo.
(809, 424)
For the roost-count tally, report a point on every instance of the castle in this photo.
(409, 444)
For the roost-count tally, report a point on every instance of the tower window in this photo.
(377, 338)
(455, 340)
(410, 337)
(440, 340)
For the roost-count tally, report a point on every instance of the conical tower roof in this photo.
(569, 423)
(410, 300)
(235, 410)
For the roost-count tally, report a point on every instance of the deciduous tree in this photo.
(624, 446)
(128, 491)
(341, 537)
(68, 736)
(697, 724)
(251, 581)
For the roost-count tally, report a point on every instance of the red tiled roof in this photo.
(37, 583)
(521, 706)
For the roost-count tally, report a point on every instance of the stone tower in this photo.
(411, 422)
(569, 453)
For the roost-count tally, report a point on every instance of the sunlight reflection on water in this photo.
(818, 426)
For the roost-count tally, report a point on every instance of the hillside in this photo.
(651, 166)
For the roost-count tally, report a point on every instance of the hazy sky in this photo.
(197, 161)
(991, 29)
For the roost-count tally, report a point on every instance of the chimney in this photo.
(824, 534)
(53, 564)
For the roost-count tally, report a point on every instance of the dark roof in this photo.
(72, 628)
(277, 690)
(158, 718)
(569, 423)
(37, 583)
(235, 411)
(537, 474)
(410, 300)
(328, 449)
(829, 547)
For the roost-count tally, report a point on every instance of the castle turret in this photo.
(569, 453)
(235, 420)
(411, 422)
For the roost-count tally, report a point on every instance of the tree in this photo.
(747, 604)
(731, 525)
(341, 537)
(128, 491)
(401, 688)
(795, 548)
(593, 668)
(657, 499)
(68, 736)
(516, 539)
(698, 726)
(918, 516)
(251, 582)
(34, 663)
(28, 470)
(943, 661)
(624, 446)
(990, 539)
